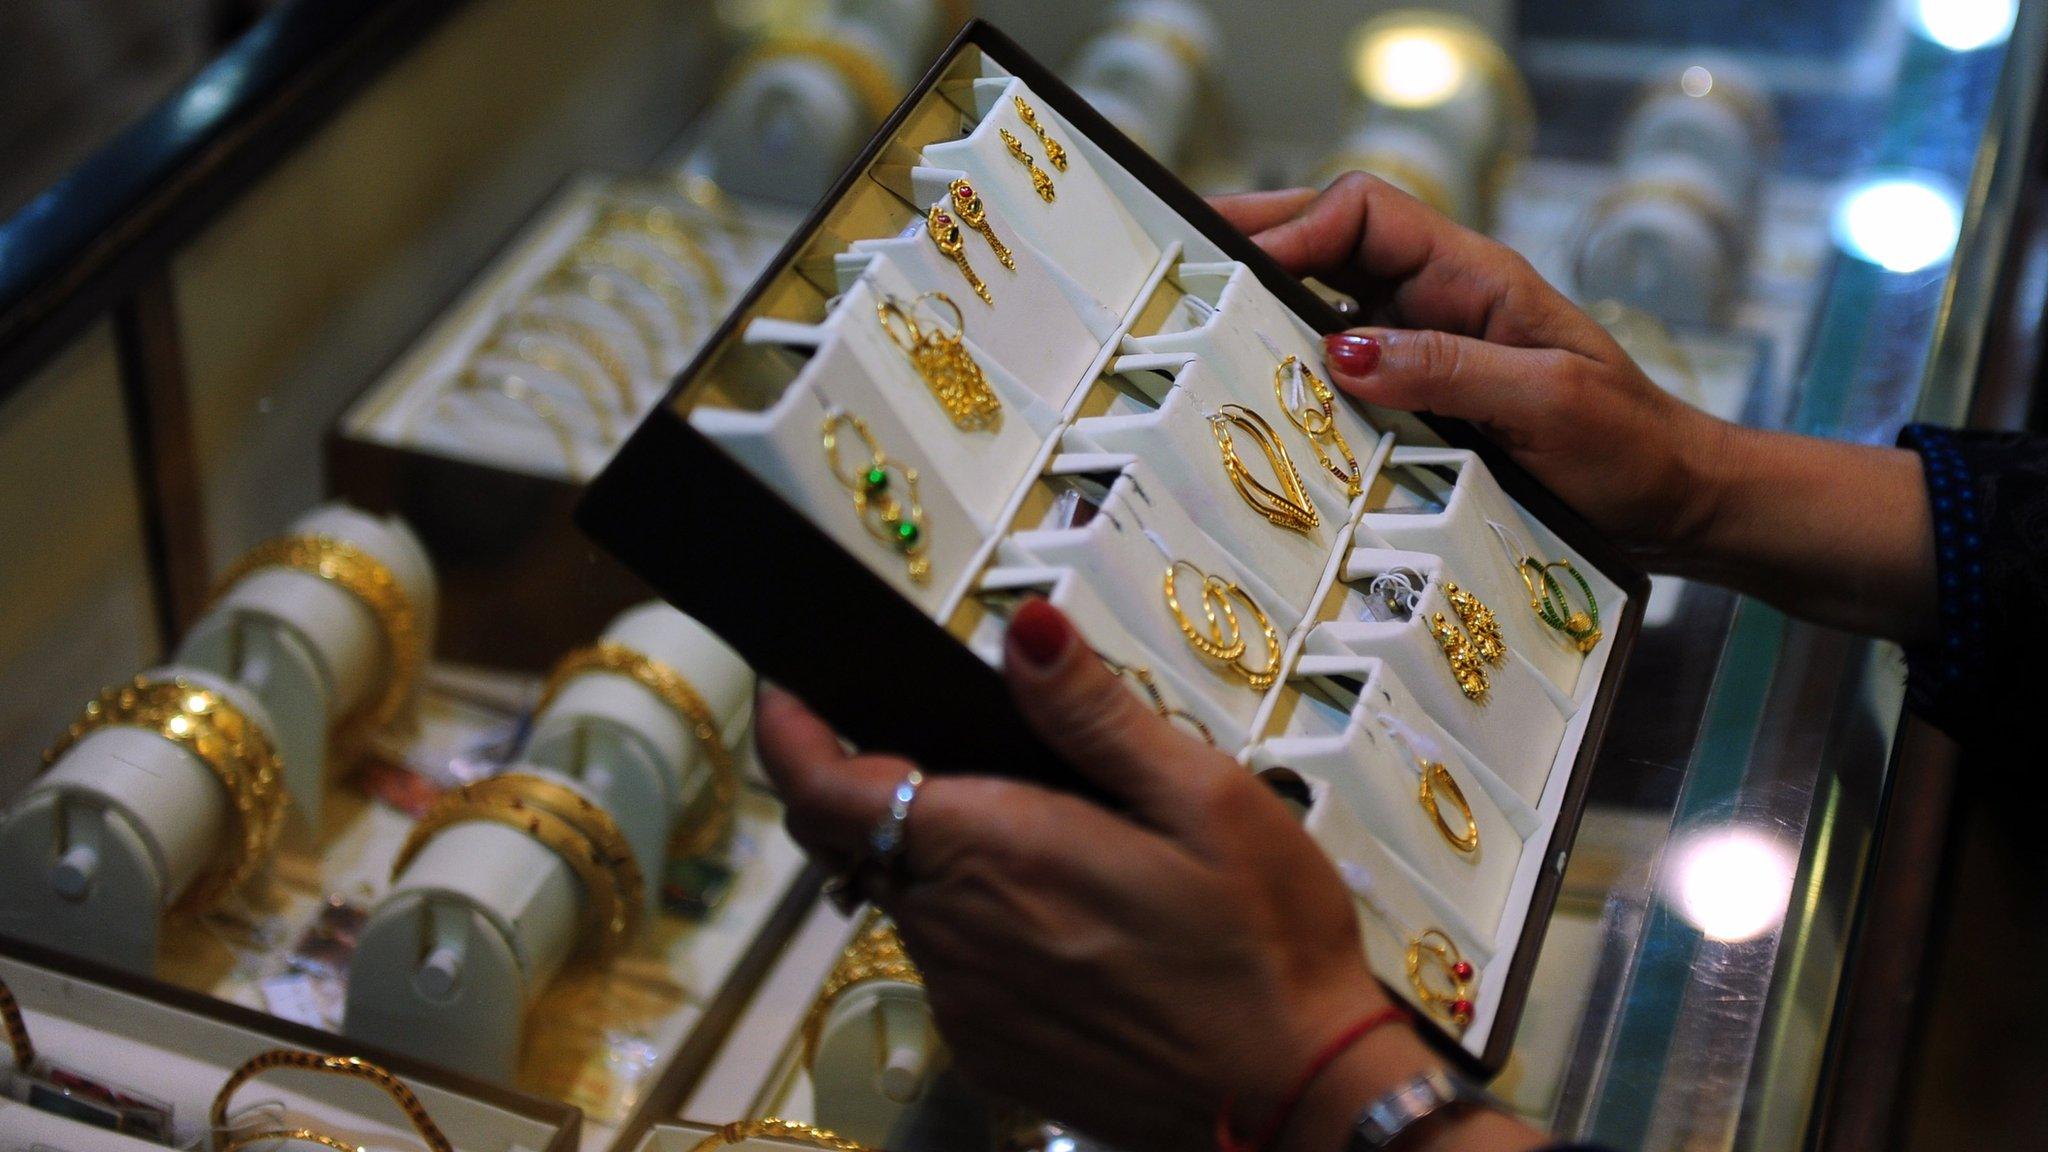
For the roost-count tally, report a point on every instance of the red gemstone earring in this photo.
(1450, 997)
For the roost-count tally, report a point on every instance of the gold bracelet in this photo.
(238, 1143)
(18, 1041)
(593, 822)
(604, 921)
(1437, 778)
(682, 697)
(529, 349)
(368, 579)
(792, 1130)
(348, 1066)
(604, 291)
(662, 226)
(221, 736)
(645, 270)
(876, 953)
(593, 344)
(869, 78)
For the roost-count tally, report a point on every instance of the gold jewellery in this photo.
(1449, 995)
(1437, 779)
(875, 954)
(1040, 181)
(1470, 649)
(793, 1131)
(515, 389)
(594, 345)
(974, 214)
(895, 521)
(1223, 639)
(1317, 419)
(18, 1041)
(682, 698)
(953, 245)
(1547, 600)
(348, 1066)
(1290, 506)
(955, 380)
(1055, 155)
(562, 820)
(367, 579)
(530, 349)
(233, 748)
(1142, 676)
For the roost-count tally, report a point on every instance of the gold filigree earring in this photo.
(1055, 155)
(945, 233)
(1040, 182)
(955, 379)
(967, 203)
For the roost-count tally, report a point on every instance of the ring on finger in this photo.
(885, 839)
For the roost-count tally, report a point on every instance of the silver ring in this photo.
(885, 839)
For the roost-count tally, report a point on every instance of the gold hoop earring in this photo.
(1466, 666)
(1040, 182)
(953, 245)
(955, 379)
(1217, 612)
(1436, 778)
(895, 521)
(1551, 606)
(1317, 420)
(1436, 952)
(1290, 507)
(967, 203)
(1480, 624)
(1055, 155)
(1142, 676)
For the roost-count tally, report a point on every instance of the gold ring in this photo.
(222, 737)
(1437, 778)
(672, 689)
(349, 1066)
(370, 581)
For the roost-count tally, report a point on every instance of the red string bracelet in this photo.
(1227, 1141)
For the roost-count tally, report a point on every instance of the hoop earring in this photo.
(1290, 507)
(1436, 952)
(897, 522)
(1436, 778)
(1551, 606)
(1316, 417)
(1055, 155)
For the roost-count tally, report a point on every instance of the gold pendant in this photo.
(949, 370)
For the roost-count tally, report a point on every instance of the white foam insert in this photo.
(181, 1057)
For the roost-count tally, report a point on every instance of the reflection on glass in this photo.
(1963, 25)
(1408, 68)
(1900, 223)
(1730, 882)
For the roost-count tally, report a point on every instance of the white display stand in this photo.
(1144, 72)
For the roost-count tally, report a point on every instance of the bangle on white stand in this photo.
(869, 1042)
(630, 761)
(331, 626)
(166, 791)
(1144, 71)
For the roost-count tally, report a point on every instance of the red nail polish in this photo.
(1351, 354)
(1041, 633)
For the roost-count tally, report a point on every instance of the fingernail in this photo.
(1040, 633)
(1352, 354)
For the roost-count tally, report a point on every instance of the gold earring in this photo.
(1290, 507)
(1451, 997)
(1317, 419)
(1224, 641)
(886, 516)
(1480, 624)
(955, 380)
(1041, 182)
(1143, 676)
(946, 234)
(967, 202)
(1438, 779)
(1055, 155)
(1466, 666)
(1551, 606)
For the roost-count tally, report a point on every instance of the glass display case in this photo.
(402, 275)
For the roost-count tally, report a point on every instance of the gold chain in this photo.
(672, 689)
(370, 581)
(792, 1130)
(348, 1066)
(221, 736)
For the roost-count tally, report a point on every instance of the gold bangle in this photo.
(673, 689)
(1726, 227)
(529, 349)
(1437, 778)
(643, 269)
(604, 920)
(872, 83)
(662, 226)
(1290, 507)
(18, 1041)
(349, 1066)
(221, 736)
(590, 285)
(876, 953)
(593, 344)
(307, 1135)
(1434, 949)
(520, 392)
(1317, 420)
(776, 1128)
(368, 579)
(594, 823)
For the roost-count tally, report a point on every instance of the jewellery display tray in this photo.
(179, 1047)
(722, 500)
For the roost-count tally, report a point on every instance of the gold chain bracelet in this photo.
(792, 1130)
(348, 1066)
(219, 735)
(279, 1136)
(371, 582)
(674, 690)
(876, 953)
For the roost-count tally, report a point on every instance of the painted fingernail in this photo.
(1352, 354)
(1040, 633)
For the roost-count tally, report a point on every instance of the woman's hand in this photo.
(1125, 972)
(1466, 328)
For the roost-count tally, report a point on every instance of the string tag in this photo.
(1511, 542)
(1391, 596)
(1423, 749)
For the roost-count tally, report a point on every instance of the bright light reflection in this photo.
(1899, 223)
(1963, 25)
(1730, 883)
(1696, 81)
(1409, 68)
